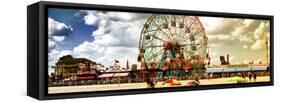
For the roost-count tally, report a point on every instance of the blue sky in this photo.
(71, 17)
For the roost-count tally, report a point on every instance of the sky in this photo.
(104, 37)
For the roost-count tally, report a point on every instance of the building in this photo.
(68, 67)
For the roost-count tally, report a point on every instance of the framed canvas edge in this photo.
(43, 49)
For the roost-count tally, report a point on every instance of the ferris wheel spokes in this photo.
(163, 32)
(169, 36)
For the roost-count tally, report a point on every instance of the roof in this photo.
(120, 74)
(85, 77)
(240, 69)
(106, 75)
(214, 70)
(259, 68)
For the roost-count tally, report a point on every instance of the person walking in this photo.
(150, 83)
(255, 77)
(250, 76)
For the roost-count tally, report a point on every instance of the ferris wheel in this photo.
(166, 37)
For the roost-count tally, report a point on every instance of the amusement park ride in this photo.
(173, 42)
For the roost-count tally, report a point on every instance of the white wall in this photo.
(13, 50)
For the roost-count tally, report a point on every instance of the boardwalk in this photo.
(104, 87)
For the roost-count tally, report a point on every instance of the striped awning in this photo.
(239, 69)
(121, 74)
(106, 75)
(214, 70)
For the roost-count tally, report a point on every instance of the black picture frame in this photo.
(37, 49)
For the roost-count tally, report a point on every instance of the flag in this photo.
(127, 65)
(116, 61)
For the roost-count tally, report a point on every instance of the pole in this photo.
(119, 78)
(266, 47)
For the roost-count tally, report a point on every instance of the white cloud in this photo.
(261, 31)
(260, 35)
(210, 23)
(246, 61)
(120, 16)
(223, 25)
(248, 22)
(245, 46)
(246, 38)
(56, 28)
(57, 32)
(116, 38)
(220, 37)
(232, 60)
(58, 38)
(228, 31)
(115, 28)
(118, 53)
(242, 38)
(86, 47)
(259, 44)
(93, 18)
(51, 44)
(100, 31)
(54, 55)
(233, 26)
